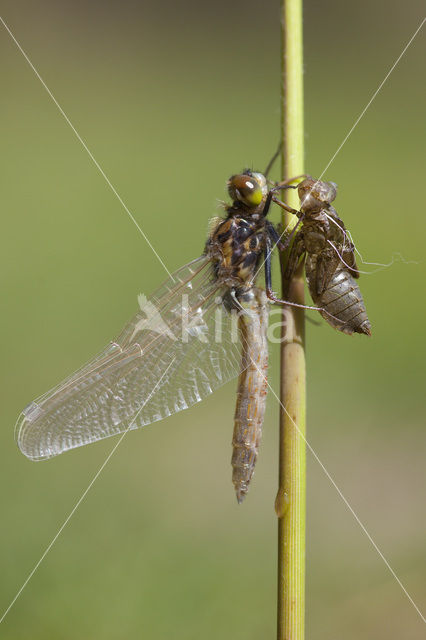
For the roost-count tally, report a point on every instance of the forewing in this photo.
(178, 349)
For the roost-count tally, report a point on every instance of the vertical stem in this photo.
(291, 497)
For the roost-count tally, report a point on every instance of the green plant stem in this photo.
(291, 498)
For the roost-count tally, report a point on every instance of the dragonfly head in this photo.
(248, 188)
(315, 194)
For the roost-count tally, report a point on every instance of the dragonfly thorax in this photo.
(236, 245)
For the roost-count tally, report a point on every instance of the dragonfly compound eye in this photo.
(246, 189)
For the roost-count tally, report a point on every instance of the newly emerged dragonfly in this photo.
(204, 326)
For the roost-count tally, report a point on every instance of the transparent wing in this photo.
(180, 347)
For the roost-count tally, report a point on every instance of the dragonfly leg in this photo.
(271, 198)
(276, 237)
(268, 272)
(285, 206)
(268, 280)
(272, 160)
(273, 298)
(288, 181)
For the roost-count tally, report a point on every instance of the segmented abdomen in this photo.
(342, 299)
(252, 388)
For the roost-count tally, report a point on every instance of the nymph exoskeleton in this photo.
(330, 264)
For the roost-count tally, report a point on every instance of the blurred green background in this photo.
(172, 98)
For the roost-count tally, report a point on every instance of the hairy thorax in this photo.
(236, 245)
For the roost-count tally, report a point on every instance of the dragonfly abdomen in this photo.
(251, 393)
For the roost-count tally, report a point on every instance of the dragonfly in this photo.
(206, 325)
